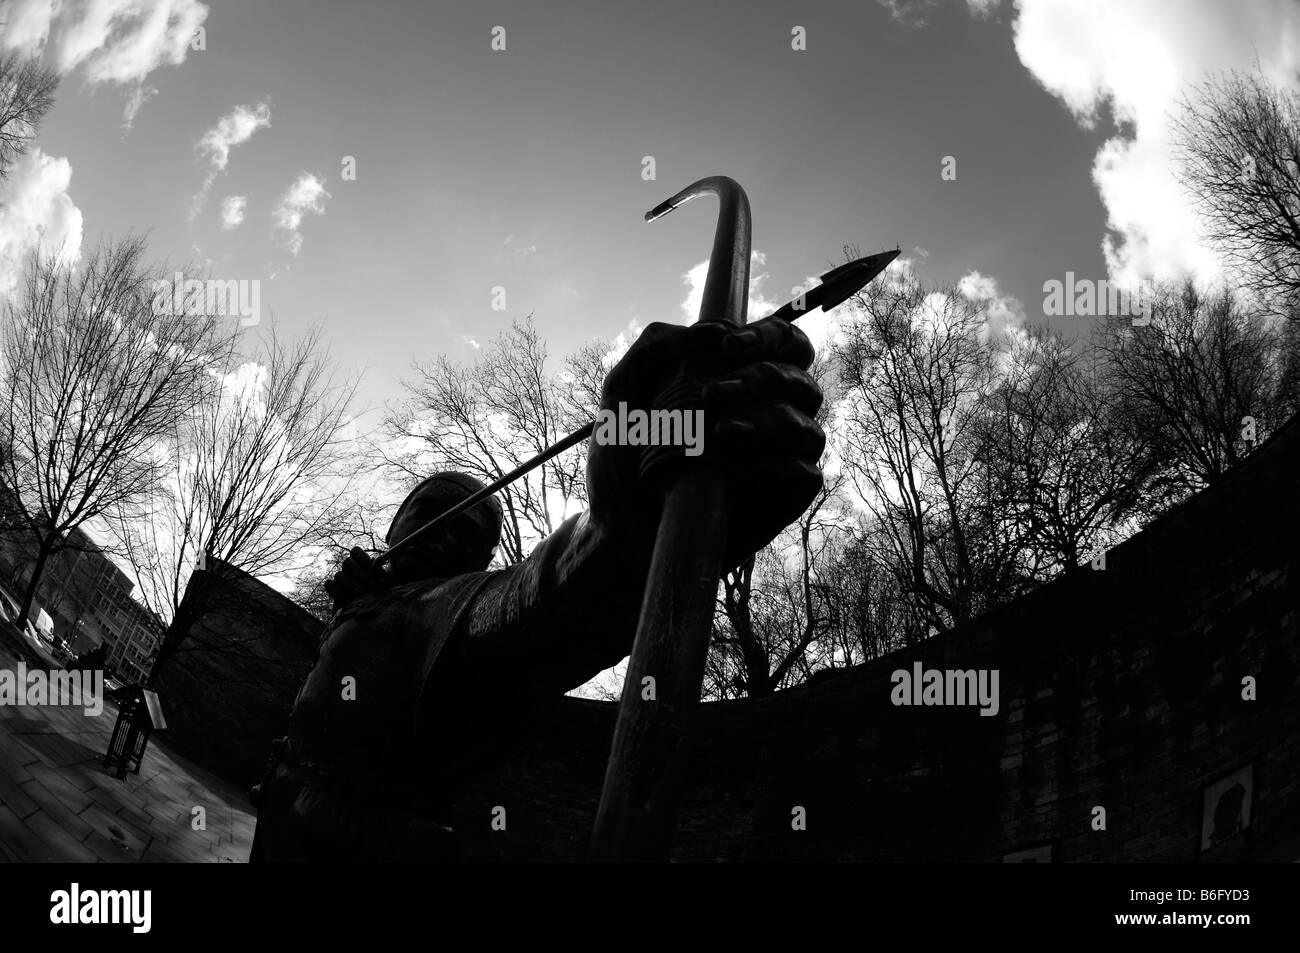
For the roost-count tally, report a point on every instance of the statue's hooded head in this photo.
(466, 544)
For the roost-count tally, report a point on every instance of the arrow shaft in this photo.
(572, 440)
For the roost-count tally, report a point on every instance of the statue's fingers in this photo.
(770, 339)
(354, 576)
(779, 490)
(787, 486)
(659, 348)
(763, 382)
(772, 431)
(338, 592)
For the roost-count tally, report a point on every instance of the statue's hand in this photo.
(758, 404)
(357, 577)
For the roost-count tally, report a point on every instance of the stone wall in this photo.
(1120, 689)
(227, 691)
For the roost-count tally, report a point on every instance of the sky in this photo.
(227, 132)
(522, 168)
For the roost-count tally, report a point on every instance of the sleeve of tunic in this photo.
(552, 621)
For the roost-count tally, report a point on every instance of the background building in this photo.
(89, 598)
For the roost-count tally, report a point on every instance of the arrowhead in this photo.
(844, 281)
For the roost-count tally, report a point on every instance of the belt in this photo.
(344, 817)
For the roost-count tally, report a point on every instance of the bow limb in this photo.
(637, 812)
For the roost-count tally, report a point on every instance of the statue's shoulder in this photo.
(446, 598)
(414, 620)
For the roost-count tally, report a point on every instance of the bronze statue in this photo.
(374, 759)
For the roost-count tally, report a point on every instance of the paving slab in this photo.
(58, 803)
(116, 828)
(15, 797)
(67, 787)
(56, 810)
(19, 840)
(57, 843)
(14, 760)
(113, 851)
(57, 750)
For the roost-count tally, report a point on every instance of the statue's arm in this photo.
(556, 619)
(570, 609)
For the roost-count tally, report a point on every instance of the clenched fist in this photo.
(758, 403)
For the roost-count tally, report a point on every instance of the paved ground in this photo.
(57, 803)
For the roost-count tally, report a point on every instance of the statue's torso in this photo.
(367, 764)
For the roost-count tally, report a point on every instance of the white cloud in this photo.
(234, 128)
(26, 24)
(910, 13)
(983, 8)
(307, 196)
(232, 211)
(114, 41)
(1139, 58)
(759, 305)
(977, 287)
(123, 41)
(38, 213)
(619, 346)
(1005, 313)
(139, 96)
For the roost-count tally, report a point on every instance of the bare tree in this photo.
(1064, 465)
(1239, 150)
(915, 366)
(1289, 383)
(773, 608)
(868, 615)
(258, 480)
(488, 417)
(1186, 384)
(93, 380)
(362, 524)
(582, 378)
(26, 95)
